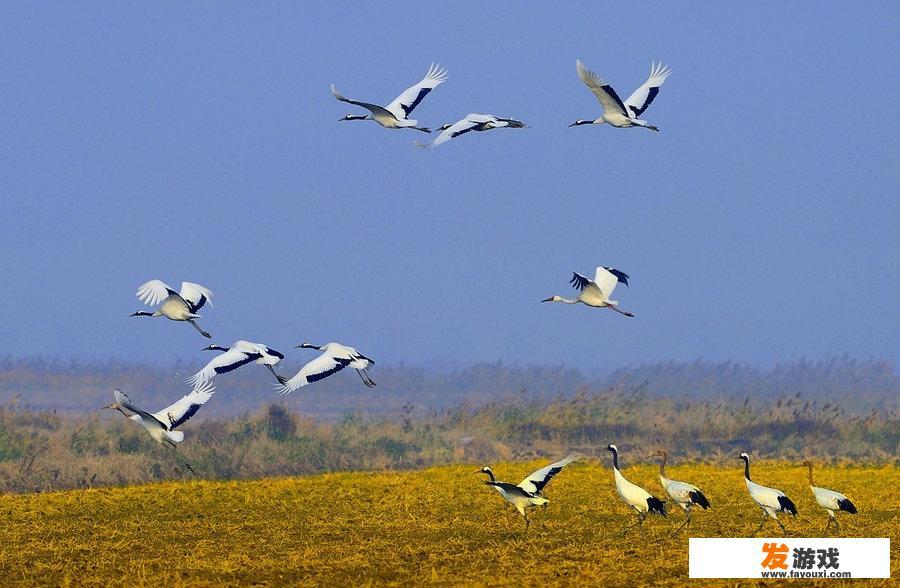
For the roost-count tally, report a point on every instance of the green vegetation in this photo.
(47, 451)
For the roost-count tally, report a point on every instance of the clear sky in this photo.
(199, 141)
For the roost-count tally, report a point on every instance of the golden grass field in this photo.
(434, 526)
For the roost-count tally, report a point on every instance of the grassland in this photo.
(47, 451)
(431, 526)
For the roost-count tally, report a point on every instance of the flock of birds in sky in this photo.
(184, 305)
(617, 113)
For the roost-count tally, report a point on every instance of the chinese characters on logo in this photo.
(776, 556)
(803, 558)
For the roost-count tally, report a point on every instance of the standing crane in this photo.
(634, 496)
(685, 495)
(830, 500)
(770, 500)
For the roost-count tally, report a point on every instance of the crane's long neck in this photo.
(615, 459)
(557, 298)
(809, 472)
(580, 122)
(662, 466)
(144, 313)
(747, 469)
(491, 474)
(216, 348)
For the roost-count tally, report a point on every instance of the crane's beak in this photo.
(548, 299)
(573, 124)
(107, 406)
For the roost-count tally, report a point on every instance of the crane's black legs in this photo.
(687, 520)
(639, 523)
(365, 378)
(619, 311)
(783, 530)
(173, 451)
(423, 129)
(281, 379)
(832, 520)
(184, 461)
(762, 522)
(202, 332)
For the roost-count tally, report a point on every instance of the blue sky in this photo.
(200, 142)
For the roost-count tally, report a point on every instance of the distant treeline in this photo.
(47, 450)
(857, 385)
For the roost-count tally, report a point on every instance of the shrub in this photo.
(280, 423)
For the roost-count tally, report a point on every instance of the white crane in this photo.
(241, 353)
(472, 122)
(596, 292)
(161, 425)
(334, 358)
(536, 481)
(176, 306)
(830, 500)
(527, 493)
(615, 112)
(770, 500)
(634, 496)
(685, 495)
(395, 115)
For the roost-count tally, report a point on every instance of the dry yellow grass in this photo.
(439, 526)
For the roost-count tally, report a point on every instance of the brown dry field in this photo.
(435, 526)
